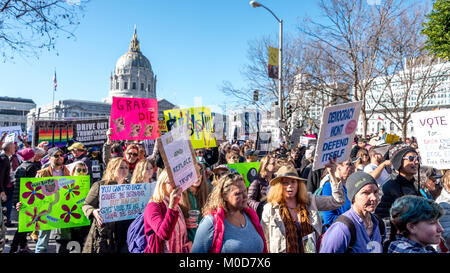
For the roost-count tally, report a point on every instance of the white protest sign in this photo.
(10, 137)
(178, 156)
(432, 130)
(337, 130)
(10, 130)
(123, 202)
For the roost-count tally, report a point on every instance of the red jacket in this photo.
(161, 222)
(219, 228)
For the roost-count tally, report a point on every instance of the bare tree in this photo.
(411, 76)
(28, 26)
(351, 43)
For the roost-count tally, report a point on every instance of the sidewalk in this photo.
(31, 244)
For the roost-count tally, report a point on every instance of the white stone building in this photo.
(13, 111)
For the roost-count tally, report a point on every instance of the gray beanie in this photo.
(397, 156)
(356, 181)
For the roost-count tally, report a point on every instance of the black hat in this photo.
(397, 154)
(356, 181)
(250, 152)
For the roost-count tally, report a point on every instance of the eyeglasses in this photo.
(79, 170)
(234, 157)
(58, 156)
(364, 155)
(133, 154)
(412, 158)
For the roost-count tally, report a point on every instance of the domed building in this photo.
(133, 75)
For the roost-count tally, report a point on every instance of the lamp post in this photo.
(255, 4)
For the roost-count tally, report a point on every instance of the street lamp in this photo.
(255, 4)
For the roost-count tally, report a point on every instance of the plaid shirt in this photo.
(404, 245)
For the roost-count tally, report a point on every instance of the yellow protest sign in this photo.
(391, 138)
(198, 119)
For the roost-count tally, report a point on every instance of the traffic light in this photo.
(255, 95)
(289, 111)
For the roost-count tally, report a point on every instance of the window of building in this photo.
(125, 85)
(117, 85)
(142, 87)
(148, 88)
(133, 86)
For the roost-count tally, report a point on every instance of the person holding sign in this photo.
(192, 201)
(106, 237)
(164, 223)
(290, 218)
(229, 225)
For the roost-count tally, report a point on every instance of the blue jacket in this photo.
(331, 215)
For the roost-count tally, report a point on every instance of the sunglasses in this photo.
(81, 170)
(132, 154)
(412, 158)
(58, 156)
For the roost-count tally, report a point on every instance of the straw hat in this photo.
(285, 171)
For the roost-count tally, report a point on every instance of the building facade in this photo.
(13, 111)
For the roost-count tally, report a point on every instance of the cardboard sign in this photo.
(179, 157)
(198, 120)
(123, 202)
(338, 127)
(90, 132)
(249, 170)
(53, 202)
(432, 130)
(134, 118)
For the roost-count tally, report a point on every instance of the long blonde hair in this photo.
(263, 165)
(111, 168)
(160, 191)
(217, 196)
(200, 196)
(139, 171)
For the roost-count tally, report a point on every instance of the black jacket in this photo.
(5, 169)
(26, 169)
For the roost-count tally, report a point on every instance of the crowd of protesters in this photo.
(380, 199)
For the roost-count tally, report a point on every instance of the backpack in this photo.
(136, 239)
(349, 223)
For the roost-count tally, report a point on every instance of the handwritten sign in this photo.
(432, 131)
(336, 134)
(198, 120)
(53, 202)
(134, 118)
(17, 130)
(123, 202)
(178, 156)
(249, 170)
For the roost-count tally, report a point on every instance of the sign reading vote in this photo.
(432, 130)
(198, 120)
(53, 202)
(134, 118)
(123, 202)
(336, 134)
(178, 156)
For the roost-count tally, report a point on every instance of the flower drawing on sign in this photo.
(69, 212)
(72, 190)
(32, 193)
(35, 218)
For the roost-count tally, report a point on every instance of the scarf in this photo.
(292, 240)
(219, 228)
(179, 235)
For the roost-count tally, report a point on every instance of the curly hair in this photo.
(220, 191)
(111, 168)
(140, 169)
(413, 209)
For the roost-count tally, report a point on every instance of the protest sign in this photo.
(249, 170)
(307, 141)
(390, 139)
(53, 202)
(432, 132)
(179, 157)
(10, 137)
(162, 126)
(199, 122)
(90, 132)
(17, 130)
(336, 134)
(123, 202)
(134, 118)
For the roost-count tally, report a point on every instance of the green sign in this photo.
(52, 202)
(248, 170)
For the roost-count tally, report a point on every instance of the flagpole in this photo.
(53, 101)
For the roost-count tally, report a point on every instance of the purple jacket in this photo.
(161, 221)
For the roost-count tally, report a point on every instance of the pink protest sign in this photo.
(134, 118)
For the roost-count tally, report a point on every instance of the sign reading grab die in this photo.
(339, 123)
